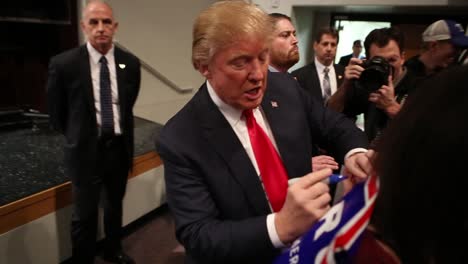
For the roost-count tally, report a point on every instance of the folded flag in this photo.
(335, 237)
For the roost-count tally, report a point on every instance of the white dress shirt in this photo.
(331, 74)
(95, 66)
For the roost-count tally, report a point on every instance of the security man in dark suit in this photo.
(228, 206)
(91, 93)
(284, 53)
(322, 77)
(357, 49)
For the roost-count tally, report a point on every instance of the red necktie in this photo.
(272, 171)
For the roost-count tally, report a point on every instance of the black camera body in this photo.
(375, 74)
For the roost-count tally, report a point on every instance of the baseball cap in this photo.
(446, 30)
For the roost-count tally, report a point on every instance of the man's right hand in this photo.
(323, 161)
(354, 69)
(307, 200)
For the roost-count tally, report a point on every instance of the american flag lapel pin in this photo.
(274, 104)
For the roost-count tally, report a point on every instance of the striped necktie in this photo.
(326, 85)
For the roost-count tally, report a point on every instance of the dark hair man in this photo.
(357, 49)
(322, 77)
(383, 104)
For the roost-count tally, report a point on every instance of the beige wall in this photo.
(285, 6)
(160, 33)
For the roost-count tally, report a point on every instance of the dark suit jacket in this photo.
(308, 78)
(213, 189)
(345, 60)
(72, 110)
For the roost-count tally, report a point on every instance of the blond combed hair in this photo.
(224, 23)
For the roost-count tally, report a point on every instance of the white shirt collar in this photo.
(232, 114)
(272, 69)
(319, 66)
(96, 55)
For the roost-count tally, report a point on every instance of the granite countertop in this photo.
(31, 160)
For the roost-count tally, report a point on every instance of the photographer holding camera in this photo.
(378, 86)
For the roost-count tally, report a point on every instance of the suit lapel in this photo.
(86, 75)
(120, 72)
(223, 139)
(316, 82)
(339, 76)
(277, 116)
(315, 79)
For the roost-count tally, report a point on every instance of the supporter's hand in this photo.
(384, 98)
(358, 167)
(323, 162)
(307, 201)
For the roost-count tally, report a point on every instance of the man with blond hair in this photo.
(230, 152)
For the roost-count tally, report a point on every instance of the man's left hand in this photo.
(384, 98)
(359, 166)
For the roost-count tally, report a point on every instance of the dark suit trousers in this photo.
(108, 185)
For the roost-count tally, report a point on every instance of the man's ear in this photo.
(82, 26)
(205, 71)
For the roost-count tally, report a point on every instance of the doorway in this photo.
(351, 30)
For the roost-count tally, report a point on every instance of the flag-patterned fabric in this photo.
(335, 237)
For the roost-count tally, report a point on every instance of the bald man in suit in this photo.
(98, 128)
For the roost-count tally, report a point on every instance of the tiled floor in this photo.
(151, 240)
(154, 240)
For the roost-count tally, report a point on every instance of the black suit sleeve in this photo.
(199, 225)
(56, 98)
(137, 76)
(301, 76)
(342, 61)
(334, 131)
(356, 100)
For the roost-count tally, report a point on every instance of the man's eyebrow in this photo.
(287, 31)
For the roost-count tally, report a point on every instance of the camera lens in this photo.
(375, 74)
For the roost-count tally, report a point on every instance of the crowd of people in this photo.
(207, 185)
(253, 126)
